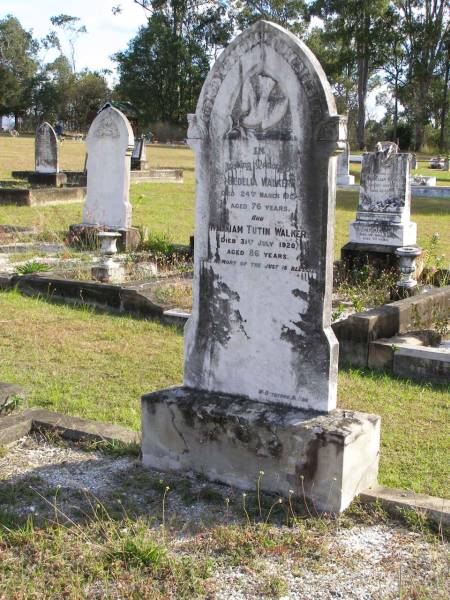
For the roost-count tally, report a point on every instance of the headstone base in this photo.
(139, 165)
(49, 179)
(380, 257)
(383, 233)
(108, 273)
(345, 180)
(326, 459)
(86, 235)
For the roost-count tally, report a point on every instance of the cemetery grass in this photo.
(168, 209)
(97, 366)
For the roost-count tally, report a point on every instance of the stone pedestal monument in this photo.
(383, 216)
(109, 143)
(261, 358)
(46, 158)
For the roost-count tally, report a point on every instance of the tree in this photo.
(359, 29)
(72, 29)
(163, 69)
(291, 14)
(425, 30)
(18, 67)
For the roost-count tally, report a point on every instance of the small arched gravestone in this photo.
(109, 143)
(46, 158)
(260, 356)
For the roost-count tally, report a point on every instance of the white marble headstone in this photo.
(264, 134)
(343, 176)
(109, 145)
(384, 207)
(46, 149)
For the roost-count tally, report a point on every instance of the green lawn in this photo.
(442, 177)
(169, 208)
(97, 366)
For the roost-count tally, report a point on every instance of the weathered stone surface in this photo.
(11, 397)
(397, 501)
(329, 458)
(343, 176)
(265, 132)
(16, 426)
(109, 144)
(260, 354)
(46, 149)
(383, 215)
(357, 331)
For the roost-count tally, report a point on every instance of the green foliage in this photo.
(18, 67)
(33, 266)
(291, 14)
(163, 69)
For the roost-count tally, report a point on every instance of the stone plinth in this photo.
(48, 179)
(86, 235)
(328, 458)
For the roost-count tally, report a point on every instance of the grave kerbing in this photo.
(260, 355)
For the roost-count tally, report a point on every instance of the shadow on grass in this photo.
(91, 309)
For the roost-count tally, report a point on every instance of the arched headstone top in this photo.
(46, 149)
(109, 144)
(113, 124)
(259, 69)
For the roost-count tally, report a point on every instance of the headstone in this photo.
(109, 144)
(261, 358)
(343, 176)
(383, 214)
(139, 156)
(423, 180)
(46, 149)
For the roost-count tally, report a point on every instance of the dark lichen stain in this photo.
(307, 470)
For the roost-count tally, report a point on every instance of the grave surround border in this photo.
(16, 426)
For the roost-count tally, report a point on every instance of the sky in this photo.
(106, 33)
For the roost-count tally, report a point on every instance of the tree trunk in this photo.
(395, 120)
(420, 115)
(16, 121)
(442, 140)
(363, 70)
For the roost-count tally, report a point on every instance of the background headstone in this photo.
(46, 149)
(264, 134)
(109, 144)
(139, 155)
(383, 214)
(343, 176)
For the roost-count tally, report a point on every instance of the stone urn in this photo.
(407, 264)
